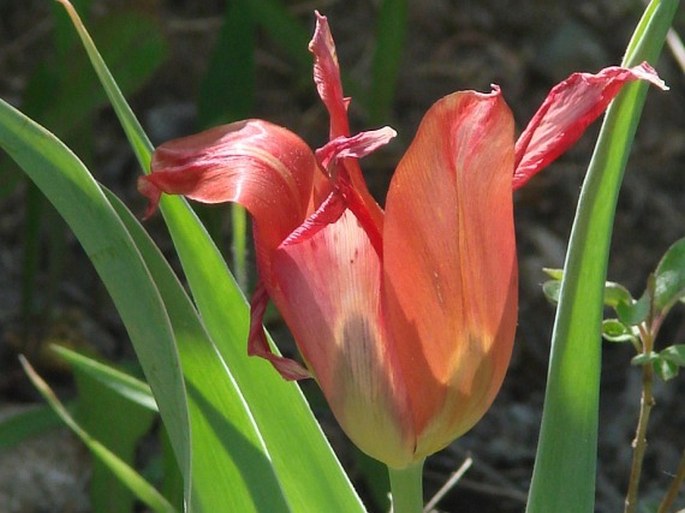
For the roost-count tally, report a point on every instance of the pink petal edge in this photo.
(327, 77)
(570, 107)
(257, 345)
(358, 146)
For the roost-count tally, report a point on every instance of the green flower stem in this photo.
(406, 487)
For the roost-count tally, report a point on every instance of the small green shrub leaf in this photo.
(551, 290)
(644, 358)
(670, 277)
(614, 330)
(665, 369)
(632, 314)
(674, 354)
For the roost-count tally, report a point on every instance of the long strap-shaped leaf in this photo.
(68, 185)
(231, 469)
(310, 475)
(565, 465)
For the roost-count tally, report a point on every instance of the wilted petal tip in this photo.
(567, 111)
(645, 71)
(327, 76)
(358, 146)
(257, 345)
(152, 193)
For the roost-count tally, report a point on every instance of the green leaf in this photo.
(665, 369)
(71, 189)
(551, 289)
(387, 58)
(616, 294)
(565, 465)
(134, 131)
(308, 471)
(124, 384)
(555, 274)
(227, 89)
(141, 488)
(674, 354)
(637, 312)
(226, 447)
(17, 427)
(644, 358)
(670, 277)
(614, 330)
(99, 414)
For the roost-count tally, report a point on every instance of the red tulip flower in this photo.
(405, 317)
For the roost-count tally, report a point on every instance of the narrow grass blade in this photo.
(284, 29)
(71, 189)
(227, 94)
(564, 474)
(134, 131)
(124, 384)
(141, 488)
(100, 415)
(227, 89)
(390, 35)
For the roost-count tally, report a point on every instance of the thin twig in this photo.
(453, 480)
(640, 441)
(672, 492)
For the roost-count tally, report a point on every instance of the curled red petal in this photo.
(264, 167)
(327, 77)
(358, 146)
(152, 193)
(570, 107)
(329, 212)
(329, 86)
(257, 345)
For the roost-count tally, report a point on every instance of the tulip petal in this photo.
(329, 86)
(266, 168)
(357, 146)
(570, 107)
(327, 77)
(257, 345)
(450, 276)
(327, 290)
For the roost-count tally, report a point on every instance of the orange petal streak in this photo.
(328, 293)
(450, 276)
